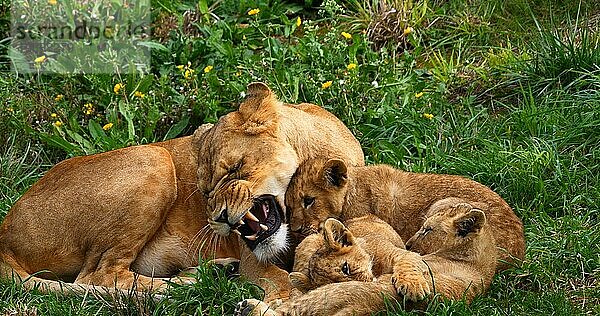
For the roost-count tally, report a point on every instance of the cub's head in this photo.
(332, 256)
(244, 167)
(317, 192)
(448, 227)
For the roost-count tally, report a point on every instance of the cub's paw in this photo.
(252, 307)
(411, 282)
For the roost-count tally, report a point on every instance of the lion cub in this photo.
(457, 254)
(460, 262)
(323, 188)
(362, 249)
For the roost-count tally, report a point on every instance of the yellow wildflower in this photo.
(347, 35)
(351, 66)
(107, 126)
(138, 94)
(326, 84)
(108, 32)
(10, 110)
(57, 123)
(208, 68)
(428, 116)
(298, 22)
(88, 108)
(53, 115)
(254, 11)
(407, 31)
(118, 87)
(40, 59)
(180, 67)
(58, 97)
(188, 73)
(52, 2)
(418, 95)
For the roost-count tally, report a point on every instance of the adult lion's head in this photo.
(248, 158)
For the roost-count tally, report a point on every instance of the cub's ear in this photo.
(336, 235)
(334, 173)
(200, 133)
(300, 281)
(470, 223)
(258, 112)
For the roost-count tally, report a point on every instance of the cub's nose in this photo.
(408, 245)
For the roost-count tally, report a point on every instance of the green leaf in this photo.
(124, 110)
(176, 129)
(203, 7)
(96, 130)
(85, 144)
(154, 45)
(57, 141)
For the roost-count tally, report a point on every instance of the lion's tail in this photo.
(10, 270)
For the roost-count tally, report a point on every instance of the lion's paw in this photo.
(411, 281)
(253, 307)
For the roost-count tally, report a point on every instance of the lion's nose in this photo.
(223, 217)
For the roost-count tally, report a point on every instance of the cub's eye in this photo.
(308, 201)
(346, 268)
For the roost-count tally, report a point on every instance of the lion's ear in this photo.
(470, 223)
(336, 235)
(300, 281)
(259, 110)
(334, 173)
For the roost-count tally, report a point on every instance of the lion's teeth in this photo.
(242, 222)
(251, 217)
(237, 232)
(251, 237)
(264, 227)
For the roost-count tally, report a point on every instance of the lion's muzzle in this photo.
(261, 221)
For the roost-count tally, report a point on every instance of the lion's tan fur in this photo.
(370, 249)
(460, 264)
(397, 197)
(285, 135)
(145, 209)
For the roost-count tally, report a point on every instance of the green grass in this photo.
(513, 88)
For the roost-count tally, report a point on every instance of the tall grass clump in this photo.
(569, 60)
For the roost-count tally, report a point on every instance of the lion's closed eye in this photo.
(235, 171)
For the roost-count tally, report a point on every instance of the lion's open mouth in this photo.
(261, 221)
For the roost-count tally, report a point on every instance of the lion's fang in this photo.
(264, 227)
(252, 237)
(242, 222)
(237, 232)
(251, 217)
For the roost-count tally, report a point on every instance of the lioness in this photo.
(460, 263)
(324, 188)
(153, 209)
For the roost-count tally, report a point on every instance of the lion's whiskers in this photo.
(199, 238)
(193, 192)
